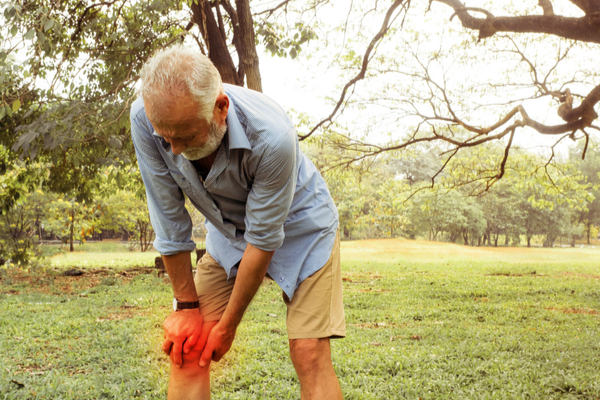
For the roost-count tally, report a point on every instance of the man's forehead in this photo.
(178, 115)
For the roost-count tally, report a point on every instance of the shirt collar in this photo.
(237, 135)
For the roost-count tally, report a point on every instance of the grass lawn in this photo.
(425, 320)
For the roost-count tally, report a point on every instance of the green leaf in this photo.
(9, 13)
(48, 25)
(115, 143)
(8, 111)
(30, 33)
(14, 30)
(16, 105)
(2, 112)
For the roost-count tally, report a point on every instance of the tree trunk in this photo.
(528, 241)
(248, 56)
(506, 240)
(141, 234)
(496, 240)
(71, 230)
(217, 46)
(589, 228)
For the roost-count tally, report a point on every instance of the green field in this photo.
(425, 320)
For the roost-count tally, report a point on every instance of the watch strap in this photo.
(186, 305)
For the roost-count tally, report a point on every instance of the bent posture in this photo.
(234, 153)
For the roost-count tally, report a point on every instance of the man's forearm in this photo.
(251, 272)
(180, 272)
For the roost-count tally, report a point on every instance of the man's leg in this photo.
(312, 361)
(314, 315)
(190, 381)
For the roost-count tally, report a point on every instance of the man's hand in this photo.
(182, 331)
(251, 273)
(218, 343)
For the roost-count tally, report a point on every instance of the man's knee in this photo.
(191, 360)
(310, 353)
(190, 365)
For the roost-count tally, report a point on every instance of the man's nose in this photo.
(177, 148)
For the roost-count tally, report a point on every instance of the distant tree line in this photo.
(392, 196)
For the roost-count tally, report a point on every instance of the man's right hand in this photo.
(182, 331)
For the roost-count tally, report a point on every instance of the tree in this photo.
(550, 199)
(468, 222)
(72, 220)
(501, 213)
(17, 214)
(21, 227)
(590, 169)
(91, 54)
(463, 89)
(124, 212)
(390, 207)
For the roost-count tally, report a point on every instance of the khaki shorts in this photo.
(316, 311)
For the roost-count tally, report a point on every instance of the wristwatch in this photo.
(183, 305)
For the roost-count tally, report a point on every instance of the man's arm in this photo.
(173, 227)
(182, 328)
(251, 273)
(180, 272)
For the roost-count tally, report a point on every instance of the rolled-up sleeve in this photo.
(272, 193)
(166, 203)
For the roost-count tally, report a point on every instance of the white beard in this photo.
(215, 136)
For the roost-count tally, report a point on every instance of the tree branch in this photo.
(272, 10)
(361, 75)
(546, 7)
(587, 6)
(586, 29)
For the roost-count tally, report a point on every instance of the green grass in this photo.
(117, 260)
(105, 254)
(425, 320)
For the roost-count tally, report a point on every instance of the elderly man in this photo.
(234, 153)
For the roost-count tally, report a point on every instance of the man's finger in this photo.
(176, 354)
(166, 346)
(190, 343)
(206, 355)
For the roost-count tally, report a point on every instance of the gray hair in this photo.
(180, 70)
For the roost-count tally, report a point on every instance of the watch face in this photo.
(174, 304)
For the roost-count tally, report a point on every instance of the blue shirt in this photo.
(260, 190)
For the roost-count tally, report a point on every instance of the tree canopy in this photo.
(68, 68)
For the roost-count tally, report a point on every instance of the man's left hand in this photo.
(218, 343)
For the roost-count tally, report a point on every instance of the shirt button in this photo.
(281, 279)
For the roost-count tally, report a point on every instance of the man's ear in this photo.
(222, 108)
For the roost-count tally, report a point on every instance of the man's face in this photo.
(179, 124)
